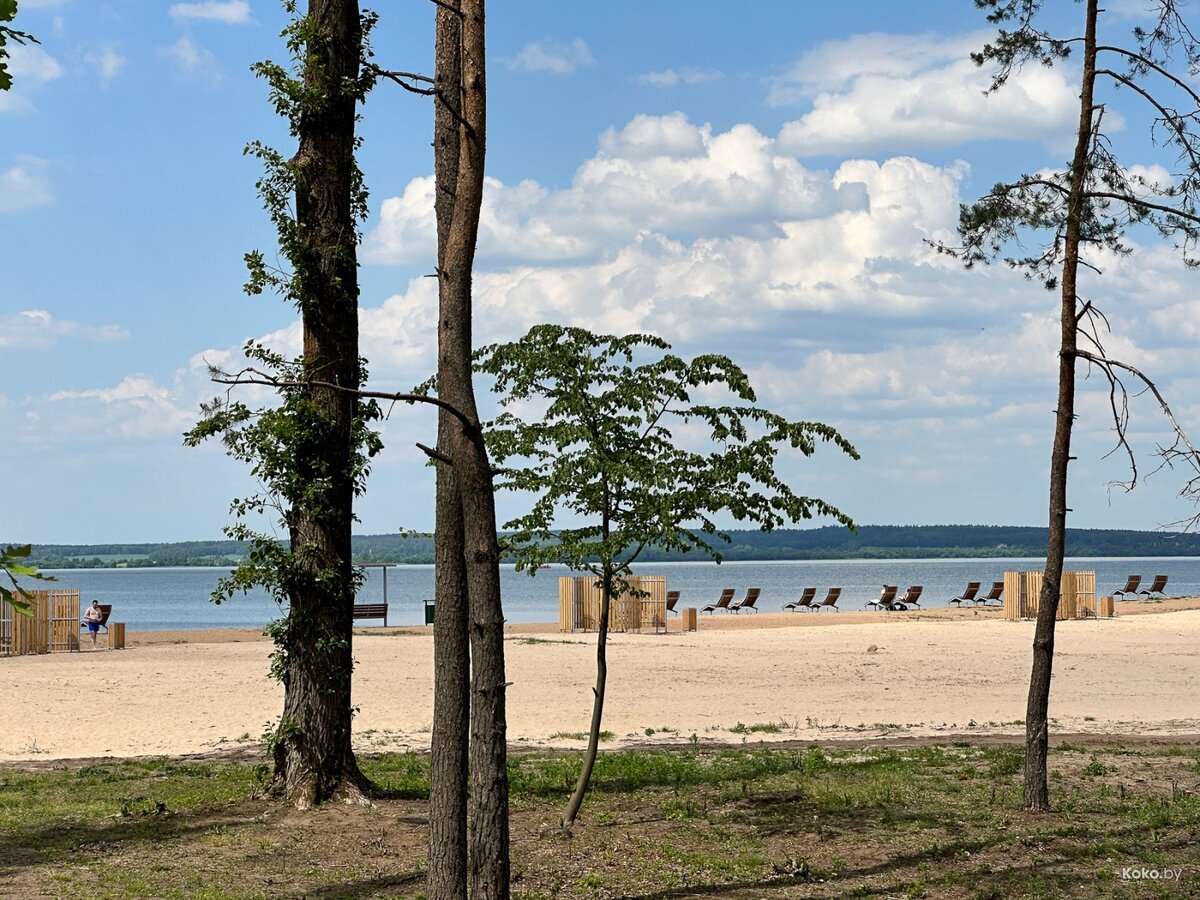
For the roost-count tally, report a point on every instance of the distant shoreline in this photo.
(826, 544)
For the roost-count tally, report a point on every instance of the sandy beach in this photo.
(942, 672)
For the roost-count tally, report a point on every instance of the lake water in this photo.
(177, 598)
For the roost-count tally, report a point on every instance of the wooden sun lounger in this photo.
(723, 603)
(747, 602)
(1160, 584)
(886, 597)
(1131, 586)
(968, 594)
(805, 601)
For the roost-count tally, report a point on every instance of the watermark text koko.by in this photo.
(1144, 873)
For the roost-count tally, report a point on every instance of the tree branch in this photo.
(264, 379)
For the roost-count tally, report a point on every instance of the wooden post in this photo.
(687, 618)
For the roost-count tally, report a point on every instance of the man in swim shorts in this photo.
(92, 618)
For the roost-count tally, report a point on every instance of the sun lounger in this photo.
(722, 603)
(830, 601)
(911, 598)
(1131, 586)
(968, 594)
(805, 601)
(747, 602)
(1160, 583)
(993, 594)
(886, 597)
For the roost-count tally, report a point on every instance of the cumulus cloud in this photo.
(29, 65)
(137, 407)
(548, 55)
(232, 12)
(107, 63)
(673, 77)
(25, 186)
(38, 329)
(658, 174)
(191, 59)
(873, 91)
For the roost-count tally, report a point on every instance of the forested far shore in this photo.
(868, 542)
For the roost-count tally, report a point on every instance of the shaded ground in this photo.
(922, 819)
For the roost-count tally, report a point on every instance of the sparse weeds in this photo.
(939, 819)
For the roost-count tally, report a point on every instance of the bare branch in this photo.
(1170, 454)
(403, 78)
(1149, 64)
(264, 379)
(435, 454)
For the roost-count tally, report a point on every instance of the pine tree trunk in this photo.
(313, 757)
(488, 835)
(447, 879)
(1037, 722)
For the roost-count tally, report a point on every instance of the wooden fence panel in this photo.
(54, 625)
(1022, 593)
(579, 600)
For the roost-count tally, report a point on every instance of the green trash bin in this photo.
(428, 613)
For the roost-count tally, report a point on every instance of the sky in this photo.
(760, 181)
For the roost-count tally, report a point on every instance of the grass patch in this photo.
(756, 821)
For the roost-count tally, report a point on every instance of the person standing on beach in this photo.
(92, 617)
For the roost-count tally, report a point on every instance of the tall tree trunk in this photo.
(1037, 724)
(488, 837)
(313, 758)
(593, 747)
(447, 879)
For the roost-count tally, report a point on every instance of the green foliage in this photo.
(286, 444)
(593, 433)
(8, 12)
(1156, 68)
(13, 566)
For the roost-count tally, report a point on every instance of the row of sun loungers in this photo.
(888, 598)
(1133, 582)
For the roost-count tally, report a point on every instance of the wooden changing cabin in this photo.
(1077, 597)
(579, 604)
(53, 627)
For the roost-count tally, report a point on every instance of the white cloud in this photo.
(232, 12)
(191, 58)
(658, 174)
(673, 77)
(136, 408)
(25, 186)
(107, 63)
(548, 55)
(39, 329)
(29, 65)
(874, 91)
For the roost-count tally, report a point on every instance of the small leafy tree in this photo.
(609, 449)
(1078, 213)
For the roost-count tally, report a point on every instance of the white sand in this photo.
(931, 674)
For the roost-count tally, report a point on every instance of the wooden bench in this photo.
(371, 611)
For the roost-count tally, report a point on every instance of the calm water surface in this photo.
(173, 599)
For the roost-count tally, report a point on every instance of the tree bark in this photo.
(488, 834)
(593, 747)
(448, 771)
(1037, 724)
(313, 757)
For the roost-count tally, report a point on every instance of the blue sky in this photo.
(755, 181)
